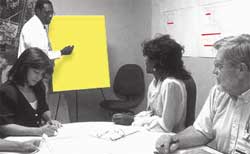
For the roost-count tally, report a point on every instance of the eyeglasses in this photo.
(218, 65)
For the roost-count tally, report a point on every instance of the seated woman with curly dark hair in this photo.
(167, 95)
(23, 103)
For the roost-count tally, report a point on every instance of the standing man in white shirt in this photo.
(35, 31)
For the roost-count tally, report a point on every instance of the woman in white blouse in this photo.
(167, 96)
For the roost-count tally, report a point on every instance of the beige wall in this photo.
(128, 23)
(201, 69)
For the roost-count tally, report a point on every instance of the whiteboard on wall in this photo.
(198, 24)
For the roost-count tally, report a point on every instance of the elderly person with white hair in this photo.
(224, 119)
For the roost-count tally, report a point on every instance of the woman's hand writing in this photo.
(49, 130)
(55, 123)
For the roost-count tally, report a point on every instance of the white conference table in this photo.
(80, 138)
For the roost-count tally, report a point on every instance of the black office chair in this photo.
(129, 87)
(191, 101)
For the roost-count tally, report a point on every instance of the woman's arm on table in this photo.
(13, 146)
(18, 130)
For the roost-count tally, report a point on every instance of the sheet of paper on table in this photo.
(76, 146)
(115, 132)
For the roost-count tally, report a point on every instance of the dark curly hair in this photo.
(30, 58)
(167, 56)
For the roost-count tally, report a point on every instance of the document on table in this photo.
(115, 133)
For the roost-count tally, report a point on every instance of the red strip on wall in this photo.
(206, 34)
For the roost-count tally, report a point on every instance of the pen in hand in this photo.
(49, 129)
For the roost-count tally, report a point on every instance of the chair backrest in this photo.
(191, 101)
(129, 82)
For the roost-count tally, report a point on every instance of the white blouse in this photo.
(167, 99)
(34, 104)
